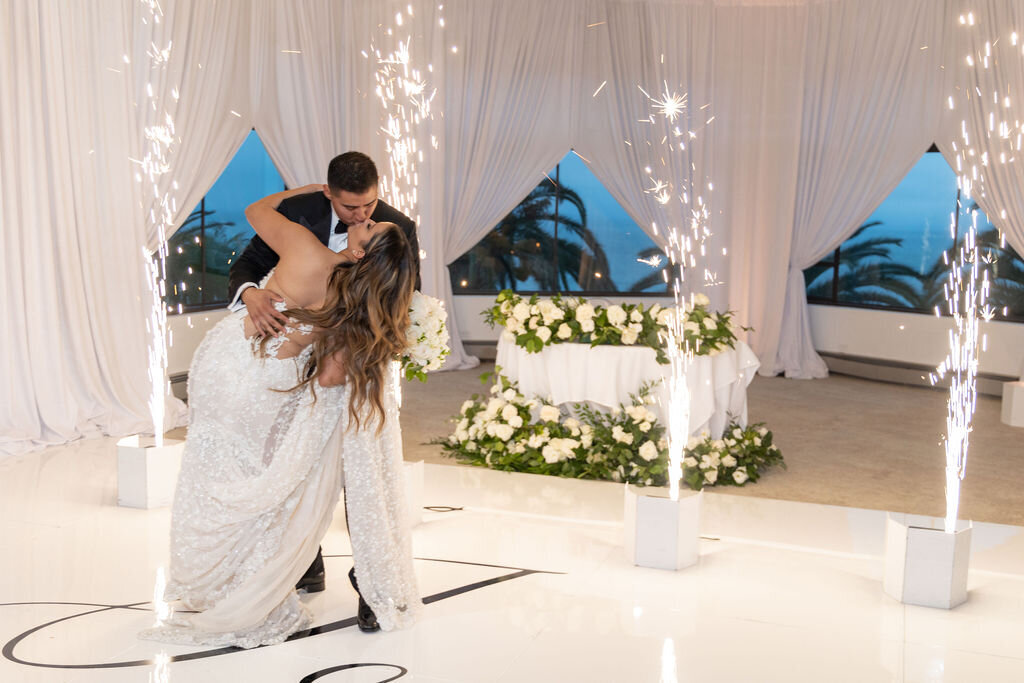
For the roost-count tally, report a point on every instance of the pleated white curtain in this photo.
(741, 68)
(635, 48)
(313, 90)
(999, 190)
(72, 216)
(874, 73)
(508, 104)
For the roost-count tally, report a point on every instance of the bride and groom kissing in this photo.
(291, 400)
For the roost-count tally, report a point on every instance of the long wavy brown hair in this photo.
(363, 319)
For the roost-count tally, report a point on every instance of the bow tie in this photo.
(340, 228)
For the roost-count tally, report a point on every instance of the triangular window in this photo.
(895, 259)
(567, 235)
(200, 253)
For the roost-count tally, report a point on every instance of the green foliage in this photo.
(504, 430)
(537, 322)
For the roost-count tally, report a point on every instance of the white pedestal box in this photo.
(146, 473)
(1013, 404)
(414, 491)
(923, 564)
(661, 533)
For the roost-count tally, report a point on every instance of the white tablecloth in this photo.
(606, 375)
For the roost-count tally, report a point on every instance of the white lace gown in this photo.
(260, 479)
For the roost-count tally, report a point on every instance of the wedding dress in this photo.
(261, 475)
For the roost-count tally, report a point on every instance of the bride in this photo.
(277, 424)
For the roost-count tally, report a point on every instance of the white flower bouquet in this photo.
(504, 430)
(535, 323)
(427, 336)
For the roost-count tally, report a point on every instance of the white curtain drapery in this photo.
(74, 218)
(868, 114)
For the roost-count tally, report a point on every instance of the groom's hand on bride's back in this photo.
(259, 303)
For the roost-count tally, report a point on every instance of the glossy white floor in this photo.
(783, 592)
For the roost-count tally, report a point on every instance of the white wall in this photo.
(911, 338)
(186, 332)
(900, 337)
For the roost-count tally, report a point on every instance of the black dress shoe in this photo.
(365, 618)
(314, 580)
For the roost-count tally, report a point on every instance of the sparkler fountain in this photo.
(405, 99)
(146, 473)
(662, 532)
(926, 564)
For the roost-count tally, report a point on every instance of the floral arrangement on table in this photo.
(535, 323)
(628, 444)
(427, 336)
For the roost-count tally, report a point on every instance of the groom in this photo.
(349, 198)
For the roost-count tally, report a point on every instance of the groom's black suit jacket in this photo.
(312, 211)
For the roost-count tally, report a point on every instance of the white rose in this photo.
(701, 300)
(616, 316)
(534, 309)
(564, 331)
(690, 461)
(621, 436)
(648, 451)
(584, 312)
(645, 427)
(587, 325)
(534, 322)
(740, 476)
(729, 461)
(549, 413)
(461, 435)
(521, 311)
(711, 476)
(690, 326)
(572, 423)
(466, 405)
(515, 421)
(587, 440)
(544, 334)
(629, 337)
(762, 431)
(509, 394)
(519, 449)
(718, 444)
(636, 316)
(737, 433)
(692, 443)
(536, 440)
(503, 432)
(508, 412)
(495, 388)
(757, 441)
(664, 316)
(708, 323)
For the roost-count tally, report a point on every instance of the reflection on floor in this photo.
(526, 581)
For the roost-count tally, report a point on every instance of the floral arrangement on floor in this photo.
(628, 444)
(427, 336)
(535, 323)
